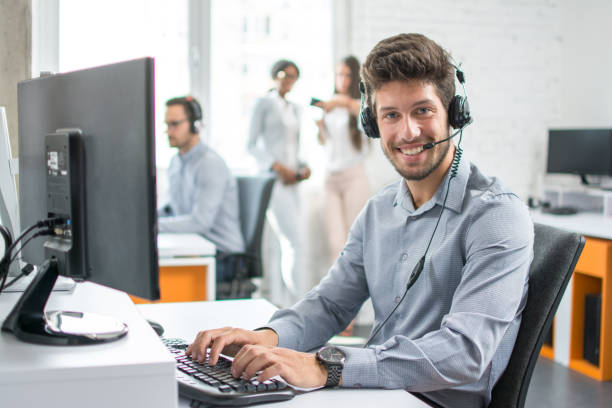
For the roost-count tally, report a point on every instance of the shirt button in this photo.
(397, 299)
(404, 257)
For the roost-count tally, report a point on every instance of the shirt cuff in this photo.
(360, 368)
(283, 330)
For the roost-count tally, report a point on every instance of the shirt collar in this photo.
(456, 193)
(196, 151)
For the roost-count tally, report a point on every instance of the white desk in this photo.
(590, 224)
(180, 251)
(135, 371)
(185, 320)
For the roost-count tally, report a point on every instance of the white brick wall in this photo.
(521, 73)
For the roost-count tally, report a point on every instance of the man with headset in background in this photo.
(203, 195)
(444, 254)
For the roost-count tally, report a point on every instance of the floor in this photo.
(556, 386)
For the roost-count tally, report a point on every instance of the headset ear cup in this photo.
(368, 123)
(459, 112)
(196, 112)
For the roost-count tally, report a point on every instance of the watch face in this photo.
(332, 355)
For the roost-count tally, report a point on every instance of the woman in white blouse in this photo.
(346, 183)
(274, 137)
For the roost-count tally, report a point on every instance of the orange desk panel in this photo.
(180, 284)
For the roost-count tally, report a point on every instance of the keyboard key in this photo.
(241, 387)
(225, 388)
(184, 369)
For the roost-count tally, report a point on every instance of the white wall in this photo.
(586, 62)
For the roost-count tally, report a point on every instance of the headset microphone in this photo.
(430, 145)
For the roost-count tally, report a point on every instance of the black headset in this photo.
(196, 113)
(458, 110)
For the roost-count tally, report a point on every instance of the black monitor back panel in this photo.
(114, 108)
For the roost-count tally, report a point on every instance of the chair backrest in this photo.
(555, 254)
(254, 196)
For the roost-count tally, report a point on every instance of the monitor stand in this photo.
(29, 322)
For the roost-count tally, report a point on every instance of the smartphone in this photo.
(314, 100)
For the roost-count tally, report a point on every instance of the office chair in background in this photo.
(555, 253)
(253, 196)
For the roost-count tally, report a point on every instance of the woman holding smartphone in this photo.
(346, 182)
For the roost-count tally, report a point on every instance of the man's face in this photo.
(177, 121)
(409, 115)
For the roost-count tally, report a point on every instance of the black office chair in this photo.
(555, 253)
(254, 194)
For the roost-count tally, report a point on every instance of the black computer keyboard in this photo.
(216, 385)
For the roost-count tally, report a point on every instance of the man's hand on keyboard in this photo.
(227, 340)
(299, 369)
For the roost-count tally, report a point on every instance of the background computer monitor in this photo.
(113, 108)
(580, 151)
(113, 105)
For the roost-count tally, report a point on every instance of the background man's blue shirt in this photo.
(203, 199)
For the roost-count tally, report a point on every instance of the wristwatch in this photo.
(332, 359)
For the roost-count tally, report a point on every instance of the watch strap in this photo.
(334, 373)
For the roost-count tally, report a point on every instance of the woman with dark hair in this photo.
(346, 183)
(274, 142)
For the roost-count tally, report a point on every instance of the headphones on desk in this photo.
(458, 111)
(195, 116)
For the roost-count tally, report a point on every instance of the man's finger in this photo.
(261, 361)
(246, 354)
(217, 346)
(269, 372)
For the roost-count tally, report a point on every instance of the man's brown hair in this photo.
(405, 57)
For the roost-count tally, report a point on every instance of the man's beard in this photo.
(425, 171)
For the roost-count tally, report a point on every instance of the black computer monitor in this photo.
(580, 151)
(87, 158)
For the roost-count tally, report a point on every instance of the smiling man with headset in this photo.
(444, 254)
